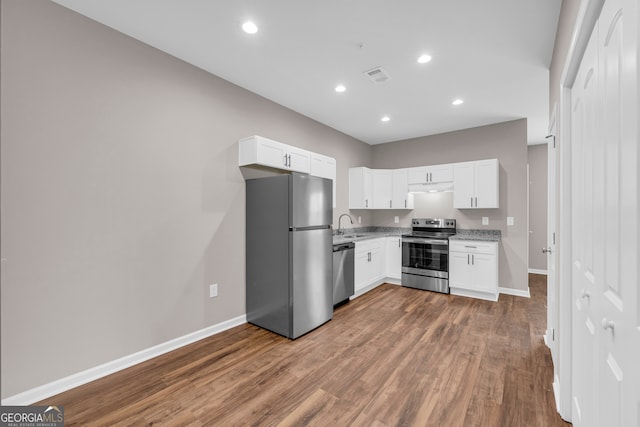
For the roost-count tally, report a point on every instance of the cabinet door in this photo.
(486, 183)
(359, 188)
(361, 268)
(401, 199)
(377, 264)
(394, 257)
(484, 272)
(299, 159)
(440, 173)
(271, 153)
(463, 185)
(460, 270)
(417, 175)
(382, 188)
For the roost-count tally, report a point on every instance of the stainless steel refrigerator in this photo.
(289, 253)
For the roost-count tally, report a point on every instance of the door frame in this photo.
(588, 15)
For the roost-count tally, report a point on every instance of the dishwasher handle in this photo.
(343, 246)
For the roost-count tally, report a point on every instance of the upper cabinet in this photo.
(430, 174)
(382, 188)
(257, 150)
(261, 151)
(401, 198)
(360, 194)
(378, 189)
(475, 184)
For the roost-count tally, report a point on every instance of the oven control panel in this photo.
(434, 222)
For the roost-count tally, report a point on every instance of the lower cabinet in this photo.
(369, 262)
(394, 257)
(473, 269)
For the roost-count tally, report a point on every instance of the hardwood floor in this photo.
(393, 357)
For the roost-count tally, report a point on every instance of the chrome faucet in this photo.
(340, 230)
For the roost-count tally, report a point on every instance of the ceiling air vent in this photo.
(377, 75)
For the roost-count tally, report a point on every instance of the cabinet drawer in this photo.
(473, 247)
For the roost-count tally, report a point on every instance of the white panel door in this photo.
(619, 353)
(401, 199)
(605, 255)
(585, 334)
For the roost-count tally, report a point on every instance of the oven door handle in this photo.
(425, 241)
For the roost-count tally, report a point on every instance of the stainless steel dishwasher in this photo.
(343, 279)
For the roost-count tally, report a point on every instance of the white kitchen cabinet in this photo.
(369, 263)
(382, 188)
(476, 184)
(400, 196)
(473, 269)
(379, 189)
(360, 195)
(393, 257)
(430, 174)
(324, 167)
(257, 150)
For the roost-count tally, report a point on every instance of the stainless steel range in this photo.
(425, 254)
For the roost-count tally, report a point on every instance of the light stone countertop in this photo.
(478, 235)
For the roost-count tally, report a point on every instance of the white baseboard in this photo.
(556, 391)
(63, 384)
(536, 271)
(473, 294)
(515, 292)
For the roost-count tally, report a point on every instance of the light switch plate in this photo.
(359, 220)
(485, 220)
(509, 220)
(396, 219)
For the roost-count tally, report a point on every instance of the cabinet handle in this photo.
(427, 177)
(289, 160)
(366, 203)
(473, 259)
(405, 203)
(471, 201)
(399, 243)
(285, 160)
(430, 177)
(476, 199)
(389, 204)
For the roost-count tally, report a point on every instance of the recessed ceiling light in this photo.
(340, 88)
(457, 102)
(385, 119)
(249, 27)
(424, 59)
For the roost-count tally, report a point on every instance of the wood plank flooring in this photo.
(393, 357)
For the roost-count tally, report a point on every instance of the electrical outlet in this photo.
(485, 220)
(509, 220)
(396, 219)
(213, 290)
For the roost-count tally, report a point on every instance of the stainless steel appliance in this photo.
(343, 272)
(289, 253)
(425, 254)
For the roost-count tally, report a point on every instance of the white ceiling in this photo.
(494, 54)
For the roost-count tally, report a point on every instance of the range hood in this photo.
(435, 187)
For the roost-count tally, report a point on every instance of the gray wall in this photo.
(537, 156)
(505, 141)
(120, 193)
